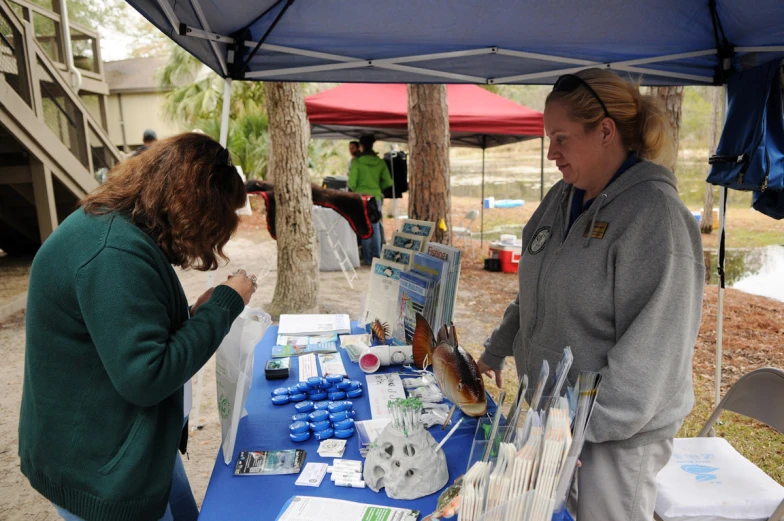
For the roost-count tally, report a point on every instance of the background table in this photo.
(344, 234)
(266, 427)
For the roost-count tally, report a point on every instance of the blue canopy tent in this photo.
(659, 42)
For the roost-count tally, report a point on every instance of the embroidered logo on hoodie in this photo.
(539, 240)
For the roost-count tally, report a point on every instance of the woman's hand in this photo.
(243, 284)
(491, 373)
(201, 300)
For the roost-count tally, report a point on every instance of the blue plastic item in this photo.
(303, 387)
(298, 427)
(304, 407)
(323, 434)
(317, 397)
(339, 406)
(320, 426)
(354, 385)
(281, 399)
(280, 391)
(338, 416)
(332, 389)
(346, 433)
(356, 393)
(334, 378)
(509, 203)
(314, 381)
(300, 436)
(298, 397)
(342, 425)
(345, 384)
(335, 396)
(321, 406)
(293, 389)
(352, 413)
(318, 416)
(300, 417)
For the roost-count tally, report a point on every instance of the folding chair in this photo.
(463, 229)
(758, 395)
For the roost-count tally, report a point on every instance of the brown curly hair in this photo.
(183, 191)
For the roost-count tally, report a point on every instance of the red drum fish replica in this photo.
(454, 368)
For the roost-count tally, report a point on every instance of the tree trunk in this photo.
(428, 158)
(673, 101)
(706, 223)
(297, 286)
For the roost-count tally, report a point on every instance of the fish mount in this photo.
(455, 369)
(351, 206)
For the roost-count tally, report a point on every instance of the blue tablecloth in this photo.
(266, 427)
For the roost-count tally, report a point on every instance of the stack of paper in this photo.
(438, 270)
(289, 345)
(416, 295)
(314, 324)
(332, 448)
(452, 256)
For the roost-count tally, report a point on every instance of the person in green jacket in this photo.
(110, 336)
(369, 175)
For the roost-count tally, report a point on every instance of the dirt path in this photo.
(482, 299)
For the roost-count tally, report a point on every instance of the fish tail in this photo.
(422, 343)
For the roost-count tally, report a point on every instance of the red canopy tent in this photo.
(477, 117)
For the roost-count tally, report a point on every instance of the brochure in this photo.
(408, 241)
(415, 296)
(283, 351)
(395, 254)
(305, 508)
(438, 270)
(453, 256)
(331, 363)
(383, 292)
(269, 462)
(422, 228)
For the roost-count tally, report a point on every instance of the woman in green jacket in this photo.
(110, 336)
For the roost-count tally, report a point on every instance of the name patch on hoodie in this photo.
(599, 229)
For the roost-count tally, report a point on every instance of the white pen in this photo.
(449, 434)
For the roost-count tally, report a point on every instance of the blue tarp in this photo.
(508, 41)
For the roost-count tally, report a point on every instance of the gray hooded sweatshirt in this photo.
(626, 297)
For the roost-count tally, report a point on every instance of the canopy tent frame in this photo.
(229, 51)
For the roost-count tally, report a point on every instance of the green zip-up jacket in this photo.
(109, 347)
(369, 175)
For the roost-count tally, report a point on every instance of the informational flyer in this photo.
(302, 508)
(331, 364)
(381, 388)
(383, 292)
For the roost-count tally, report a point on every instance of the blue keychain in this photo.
(298, 427)
(339, 406)
(303, 387)
(356, 393)
(304, 407)
(345, 384)
(321, 406)
(354, 385)
(298, 397)
(320, 426)
(323, 435)
(335, 396)
(338, 416)
(343, 425)
(318, 416)
(300, 436)
(316, 397)
(334, 378)
(300, 417)
(344, 433)
(314, 382)
(281, 399)
(293, 389)
(280, 391)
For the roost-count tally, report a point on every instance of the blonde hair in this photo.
(639, 118)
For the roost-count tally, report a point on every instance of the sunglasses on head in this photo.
(570, 82)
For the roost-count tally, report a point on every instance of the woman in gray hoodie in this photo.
(612, 266)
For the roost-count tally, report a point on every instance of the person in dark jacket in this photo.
(110, 336)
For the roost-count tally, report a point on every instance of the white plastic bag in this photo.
(234, 372)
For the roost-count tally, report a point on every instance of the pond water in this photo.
(759, 271)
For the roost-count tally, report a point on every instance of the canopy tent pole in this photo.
(224, 123)
(482, 205)
(541, 174)
(720, 298)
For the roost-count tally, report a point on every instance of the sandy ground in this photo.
(482, 299)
